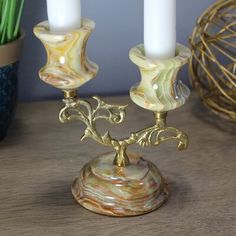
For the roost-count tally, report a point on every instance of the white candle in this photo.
(64, 15)
(160, 28)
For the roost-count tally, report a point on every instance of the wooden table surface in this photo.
(40, 158)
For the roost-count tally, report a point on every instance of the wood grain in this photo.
(40, 158)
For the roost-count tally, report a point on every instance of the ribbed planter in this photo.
(9, 57)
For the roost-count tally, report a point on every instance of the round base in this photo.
(116, 191)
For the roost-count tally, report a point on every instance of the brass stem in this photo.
(70, 94)
(121, 159)
(160, 118)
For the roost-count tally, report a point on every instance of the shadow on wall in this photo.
(119, 27)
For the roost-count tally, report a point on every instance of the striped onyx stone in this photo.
(159, 89)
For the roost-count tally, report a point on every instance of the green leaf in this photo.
(10, 16)
(11, 19)
(4, 15)
(4, 22)
(17, 26)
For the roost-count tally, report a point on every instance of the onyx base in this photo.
(116, 191)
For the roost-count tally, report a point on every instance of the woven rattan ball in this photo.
(213, 65)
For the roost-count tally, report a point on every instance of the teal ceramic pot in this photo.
(8, 95)
(9, 58)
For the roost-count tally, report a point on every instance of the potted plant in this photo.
(11, 38)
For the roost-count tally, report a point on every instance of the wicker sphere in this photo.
(213, 64)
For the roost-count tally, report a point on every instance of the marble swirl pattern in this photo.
(159, 90)
(67, 67)
(106, 189)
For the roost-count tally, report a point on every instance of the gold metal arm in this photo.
(78, 109)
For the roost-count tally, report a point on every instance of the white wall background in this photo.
(119, 27)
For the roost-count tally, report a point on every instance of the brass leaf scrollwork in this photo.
(78, 109)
